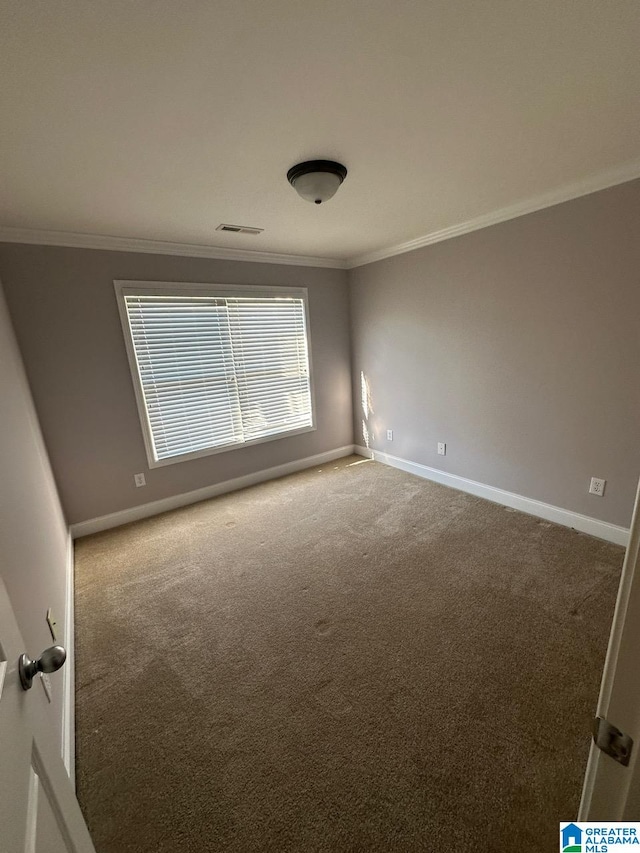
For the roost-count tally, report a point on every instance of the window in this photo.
(216, 367)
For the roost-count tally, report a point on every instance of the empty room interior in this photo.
(320, 412)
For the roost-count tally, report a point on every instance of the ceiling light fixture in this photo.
(316, 180)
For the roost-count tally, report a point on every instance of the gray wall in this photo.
(517, 345)
(64, 311)
(33, 533)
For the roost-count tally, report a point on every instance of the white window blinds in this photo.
(217, 371)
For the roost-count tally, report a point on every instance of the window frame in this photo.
(126, 287)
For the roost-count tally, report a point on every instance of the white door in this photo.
(611, 790)
(38, 809)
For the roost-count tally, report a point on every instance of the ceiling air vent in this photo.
(239, 229)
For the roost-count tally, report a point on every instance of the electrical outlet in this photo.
(597, 487)
(442, 448)
(389, 435)
(140, 480)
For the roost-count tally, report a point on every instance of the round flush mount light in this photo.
(317, 180)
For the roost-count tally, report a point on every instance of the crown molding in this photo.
(595, 183)
(158, 247)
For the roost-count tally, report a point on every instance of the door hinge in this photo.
(612, 741)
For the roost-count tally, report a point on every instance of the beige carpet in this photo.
(347, 659)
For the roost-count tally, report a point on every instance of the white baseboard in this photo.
(115, 519)
(583, 523)
(68, 681)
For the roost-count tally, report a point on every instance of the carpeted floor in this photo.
(348, 659)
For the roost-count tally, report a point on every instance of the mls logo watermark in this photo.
(594, 837)
(570, 838)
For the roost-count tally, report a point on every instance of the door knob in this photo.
(49, 661)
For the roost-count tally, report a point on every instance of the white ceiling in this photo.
(160, 119)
